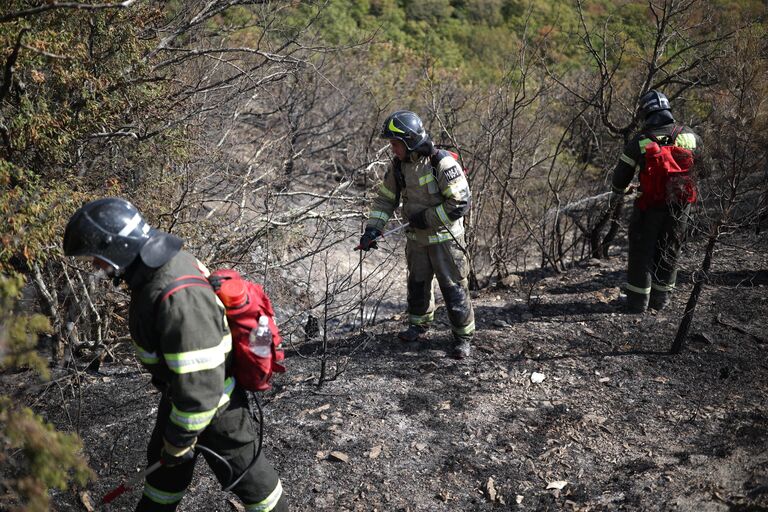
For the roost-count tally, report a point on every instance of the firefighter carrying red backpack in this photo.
(245, 304)
(666, 176)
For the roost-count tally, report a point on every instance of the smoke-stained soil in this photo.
(616, 424)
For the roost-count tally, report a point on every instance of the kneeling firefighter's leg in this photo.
(164, 488)
(452, 271)
(421, 302)
(234, 436)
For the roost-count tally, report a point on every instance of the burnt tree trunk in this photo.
(693, 299)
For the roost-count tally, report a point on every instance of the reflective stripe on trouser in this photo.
(655, 238)
(234, 436)
(448, 263)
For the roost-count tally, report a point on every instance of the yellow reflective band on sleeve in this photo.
(637, 289)
(394, 128)
(144, 356)
(191, 421)
(161, 497)
(440, 210)
(464, 331)
(624, 158)
(686, 140)
(384, 191)
(663, 287)
(195, 421)
(643, 143)
(427, 178)
(375, 214)
(267, 503)
(229, 385)
(198, 360)
(421, 319)
(443, 236)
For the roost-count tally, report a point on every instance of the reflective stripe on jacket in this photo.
(444, 194)
(184, 342)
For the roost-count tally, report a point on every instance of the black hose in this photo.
(217, 456)
(258, 450)
(257, 447)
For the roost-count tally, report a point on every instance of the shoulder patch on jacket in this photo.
(453, 172)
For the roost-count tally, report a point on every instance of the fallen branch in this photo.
(736, 327)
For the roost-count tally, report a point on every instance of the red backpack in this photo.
(244, 302)
(666, 176)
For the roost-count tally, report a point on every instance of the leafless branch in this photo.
(63, 5)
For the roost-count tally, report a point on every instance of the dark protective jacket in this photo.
(184, 342)
(444, 194)
(633, 157)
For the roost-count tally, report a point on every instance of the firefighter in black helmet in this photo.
(435, 196)
(656, 229)
(186, 345)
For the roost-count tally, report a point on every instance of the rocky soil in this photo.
(615, 424)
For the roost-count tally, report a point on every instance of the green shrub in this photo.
(33, 455)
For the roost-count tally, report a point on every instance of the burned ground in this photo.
(616, 424)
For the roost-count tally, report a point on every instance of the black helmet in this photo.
(406, 126)
(652, 101)
(113, 230)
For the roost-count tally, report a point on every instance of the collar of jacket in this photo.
(659, 118)
(414, 158)
(138, 274)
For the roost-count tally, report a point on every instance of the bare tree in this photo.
(737, 140)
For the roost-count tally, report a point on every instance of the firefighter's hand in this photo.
(172, 455)
(368, 240)
(615, 199)
(419, 220)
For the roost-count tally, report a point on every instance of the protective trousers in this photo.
(233, 436)
(447, 262)
(655, 238)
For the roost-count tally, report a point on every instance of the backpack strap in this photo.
(672, 137)
(179, 284)
(435, 158)
(434, 162)
(397, 166)
(677, 130)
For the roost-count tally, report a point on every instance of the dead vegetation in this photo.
(615, 424)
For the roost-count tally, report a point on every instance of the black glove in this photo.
(419, 220)
(172, 455)
(368, 240)
(618, 197)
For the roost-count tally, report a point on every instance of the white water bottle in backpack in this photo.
(261, 338)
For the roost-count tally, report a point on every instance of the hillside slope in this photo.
(617, 423)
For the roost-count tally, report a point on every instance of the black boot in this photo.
(637, 303)
(659, 300)
(413, 333)
(461, 347)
